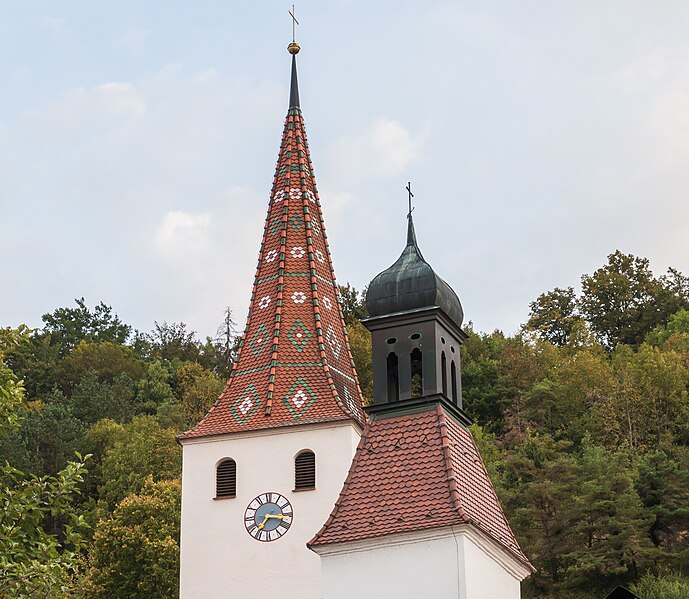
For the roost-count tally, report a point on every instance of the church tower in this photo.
(263, 468)
(417, 515)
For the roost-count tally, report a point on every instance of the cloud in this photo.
(133, 40)
(182, 233)
(385, 149)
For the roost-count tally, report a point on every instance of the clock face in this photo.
(268, 517)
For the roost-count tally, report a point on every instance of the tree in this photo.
(143, 449)
(623, 301)
(51, 433)
(153, 389)
(108, 360)
(68, 326)
(663, 486)
(360, 346)
(173, 341)
(540, 480)
(610, 523)
(94, 399)
(553, 315)
(198, 389)
(34, 562)
(135, 552)
(353, 303)
(668, 586)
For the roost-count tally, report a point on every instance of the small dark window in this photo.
(415, 336)
(453, 375)
(393, 378)
(443, 368)
(416, 373)
(391, 340)
(226, 479)
(305, 470)
(442, 340)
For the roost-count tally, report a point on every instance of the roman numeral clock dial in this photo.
(268, 517)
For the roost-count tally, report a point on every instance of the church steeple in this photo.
(415, 322)
(294, 364)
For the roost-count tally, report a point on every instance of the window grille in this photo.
(305, 470)
(226, 479)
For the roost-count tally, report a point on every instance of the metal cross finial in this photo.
(294, 24)
(411, 195)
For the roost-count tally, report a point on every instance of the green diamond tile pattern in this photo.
(245, 405)
(259, 340)
(299, 335)
(299, 398)
(296, 222)
(293, 305)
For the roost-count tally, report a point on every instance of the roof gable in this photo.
(416, 471)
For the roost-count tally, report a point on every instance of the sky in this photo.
(138, 142)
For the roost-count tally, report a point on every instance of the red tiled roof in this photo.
(416, 471)
(294, 364)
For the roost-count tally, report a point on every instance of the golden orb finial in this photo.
(293, 48)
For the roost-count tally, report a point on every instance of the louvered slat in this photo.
(226, 479)
(305, 470)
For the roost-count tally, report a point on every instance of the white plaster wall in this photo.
(424, 569)
(442, 564)
(218, 557)
(485, 578)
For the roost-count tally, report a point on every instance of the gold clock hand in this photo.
(262, 524)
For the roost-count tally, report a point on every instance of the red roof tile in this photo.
(416, 471)
(294, 364)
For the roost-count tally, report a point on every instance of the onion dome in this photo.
(411, 284)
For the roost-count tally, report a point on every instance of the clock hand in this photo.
(262, 524)
(279, 516)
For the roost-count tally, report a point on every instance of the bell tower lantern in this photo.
(415, 322)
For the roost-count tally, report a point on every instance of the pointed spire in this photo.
(294, 364)
(293, 49)
(294, 85)
(411, 233)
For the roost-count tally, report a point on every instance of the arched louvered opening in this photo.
(416, 373)
(305, 470)
(443, 373)
(453, 376)
(226, 478)
(393, 378)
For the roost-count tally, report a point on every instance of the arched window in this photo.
(443, 374)
(453, 376)
(226, 478)
(305, 470)
(416, 373)
(393, 378)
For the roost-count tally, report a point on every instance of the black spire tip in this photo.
(294, 86)
(411, 233)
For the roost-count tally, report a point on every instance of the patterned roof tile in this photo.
(294, 364)
(416, 471)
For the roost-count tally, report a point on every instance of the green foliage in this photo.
(33, 561)
(353, 303)
(144, 448)
(94, 399)
(360, 346)
(198, 389)
(670, 586)
(154, 388)
(107, 360)
(623, 301)
(68, 326)
(50, 432)
(135, 551)
(553, 316)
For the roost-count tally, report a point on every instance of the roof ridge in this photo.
(451, 477)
